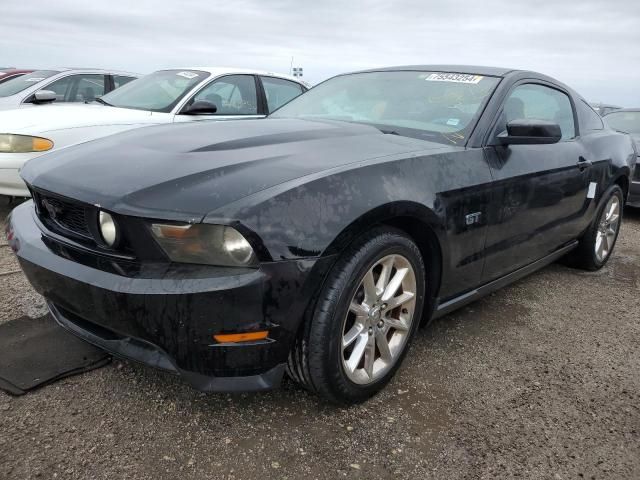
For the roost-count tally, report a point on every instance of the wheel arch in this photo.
(623, 182)
(415, 220)
(419, 222)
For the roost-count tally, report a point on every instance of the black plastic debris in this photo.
(37, 351)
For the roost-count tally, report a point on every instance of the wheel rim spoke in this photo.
(394, 284)
(399, 300)
(385, 274)
(397, 323)
(352, 335)
(613, 209)
(383, 345)
(370, 356)
(358, 351)
(370, 293)
(359, 309)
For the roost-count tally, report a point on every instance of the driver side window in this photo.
(60, 87)
(537, 102)
(232, 95)
(78, 88)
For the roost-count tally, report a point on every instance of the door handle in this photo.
(583, 164)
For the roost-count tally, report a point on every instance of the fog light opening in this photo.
(108, 229)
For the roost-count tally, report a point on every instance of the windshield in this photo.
(628, 122)
(18, 84)
(436, 106)
(158, 91)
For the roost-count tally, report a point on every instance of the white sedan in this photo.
(165, 96)
(60, 85)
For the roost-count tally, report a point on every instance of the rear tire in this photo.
(598, 242)
(363, 320)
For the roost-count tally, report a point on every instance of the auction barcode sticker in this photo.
(189, 75)
(454, 77)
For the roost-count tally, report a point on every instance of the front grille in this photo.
(64, 214)
(78, 221)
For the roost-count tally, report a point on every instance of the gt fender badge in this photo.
(473, 218)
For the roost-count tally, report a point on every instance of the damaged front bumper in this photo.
(166, 315)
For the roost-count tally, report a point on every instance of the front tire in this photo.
(364, 319)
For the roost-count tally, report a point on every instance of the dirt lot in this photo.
(540, 380)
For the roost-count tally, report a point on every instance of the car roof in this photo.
(466, 69)
(9, 71)
(217, 71)
(91, 70)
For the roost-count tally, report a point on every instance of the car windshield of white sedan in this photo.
(18, 84)
(628, 122)
(157, 92)
(436, 106)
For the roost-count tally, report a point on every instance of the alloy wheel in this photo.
(378, 323)
(607, 229)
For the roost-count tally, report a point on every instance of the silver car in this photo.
(60, 85)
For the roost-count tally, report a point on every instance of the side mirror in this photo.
(201, 107)
(44, 96)
(530, 132)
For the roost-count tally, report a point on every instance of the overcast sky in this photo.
(593, 45)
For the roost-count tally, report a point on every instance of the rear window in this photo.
(16, 85)
(628, 122)
(120, 80)
(589, 120)
(279, 91)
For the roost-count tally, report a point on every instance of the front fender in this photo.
(312, 217)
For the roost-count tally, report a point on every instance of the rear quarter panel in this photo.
(613, 156)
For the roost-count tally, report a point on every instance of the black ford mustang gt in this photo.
(317, 240)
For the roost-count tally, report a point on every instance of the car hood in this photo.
(9, 102)
(184, 171)
(41, 119)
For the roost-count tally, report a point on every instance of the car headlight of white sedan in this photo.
(11, 143)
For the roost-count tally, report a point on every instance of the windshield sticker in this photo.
(34, 79)
(189, 75)
(453, 77)
(453, 122)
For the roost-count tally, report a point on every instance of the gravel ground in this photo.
(539, 380)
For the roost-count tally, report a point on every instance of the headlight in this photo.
(10, 143)
(204, 244)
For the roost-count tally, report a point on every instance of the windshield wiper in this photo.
(99, 100)
(389, 132)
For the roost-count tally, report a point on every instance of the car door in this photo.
(542, 189)
(235, 96)
(278, 91)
